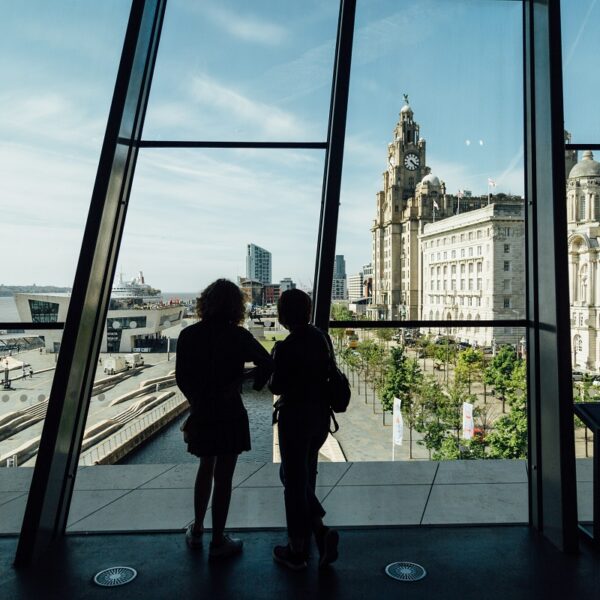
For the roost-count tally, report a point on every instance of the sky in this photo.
(258, 71)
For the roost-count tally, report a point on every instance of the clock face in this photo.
(411, 161)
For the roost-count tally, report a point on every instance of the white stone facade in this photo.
(583, 216)
(474, 269)
(355, 287)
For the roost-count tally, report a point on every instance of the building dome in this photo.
(586, 167)
(406, 109)
(431, 179)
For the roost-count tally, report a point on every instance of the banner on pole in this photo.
(468, 426)
(398, 429)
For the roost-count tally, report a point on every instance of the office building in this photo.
(258, 264)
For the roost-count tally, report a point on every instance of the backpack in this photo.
(337, 387)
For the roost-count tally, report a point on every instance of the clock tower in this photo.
(395, 228)
(407, 153)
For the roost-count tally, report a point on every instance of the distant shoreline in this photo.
(11, 290)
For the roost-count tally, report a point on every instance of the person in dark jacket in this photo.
(209, 371)
(301, 366)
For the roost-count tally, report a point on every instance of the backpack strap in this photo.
(335, 423)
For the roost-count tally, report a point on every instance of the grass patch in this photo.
(269, 342)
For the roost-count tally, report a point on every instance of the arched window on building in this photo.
(581, 207)
(596, 207)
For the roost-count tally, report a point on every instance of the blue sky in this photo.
(257, 71)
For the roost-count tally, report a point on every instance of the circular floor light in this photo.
(405, 571)
(115, 576)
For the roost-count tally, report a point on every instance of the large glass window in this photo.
(58, 74)
(243, 71)
(450, 163)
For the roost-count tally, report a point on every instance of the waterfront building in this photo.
(339, 288)
(130, 326)
(412, 198)
(258, 264)
(583, 226)
(474, 269)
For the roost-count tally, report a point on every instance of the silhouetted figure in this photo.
(209, 371)
(301, 365)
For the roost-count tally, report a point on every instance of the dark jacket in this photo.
(301, 364)
(210, 368)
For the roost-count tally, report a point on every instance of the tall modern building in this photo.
(258, 264)
(339, 289)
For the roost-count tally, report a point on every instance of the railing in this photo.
(128, 432)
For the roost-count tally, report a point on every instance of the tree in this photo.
(385, 335)
(500, 371)
(469, 365)
(582, 393)
(429, 422)
(340, 312)
(402, 380)
(509, 437)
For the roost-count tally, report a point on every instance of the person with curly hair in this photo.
(209, 371)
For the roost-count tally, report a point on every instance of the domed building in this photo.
(583, 223)
(466, 277)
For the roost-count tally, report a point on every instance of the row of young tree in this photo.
(433, 406)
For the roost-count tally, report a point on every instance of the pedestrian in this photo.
(300, 369)
(209, 371)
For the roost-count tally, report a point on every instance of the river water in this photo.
(168, 447)
(8, 309)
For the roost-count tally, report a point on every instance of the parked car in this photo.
(577, 376)
(463, 345)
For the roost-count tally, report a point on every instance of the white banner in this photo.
(398, 429)
(467, 421)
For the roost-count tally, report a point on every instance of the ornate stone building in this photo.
(412, 198)
(583, 217)
(474, 269)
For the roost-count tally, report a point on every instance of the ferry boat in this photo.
(136, 291)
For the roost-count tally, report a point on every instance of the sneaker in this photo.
(292, 560)
(228, 547)
(192, 539)
(327, 542)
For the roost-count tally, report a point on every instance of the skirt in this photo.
(214, 438)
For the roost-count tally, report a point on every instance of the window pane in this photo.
(27, 362)
(58, 74)
(244, 71)
(194, 216)
(581, 79)
(432, 190)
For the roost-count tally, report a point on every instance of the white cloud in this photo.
(232, 104)
(243, 26)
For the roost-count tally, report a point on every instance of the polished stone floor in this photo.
(508, 562)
